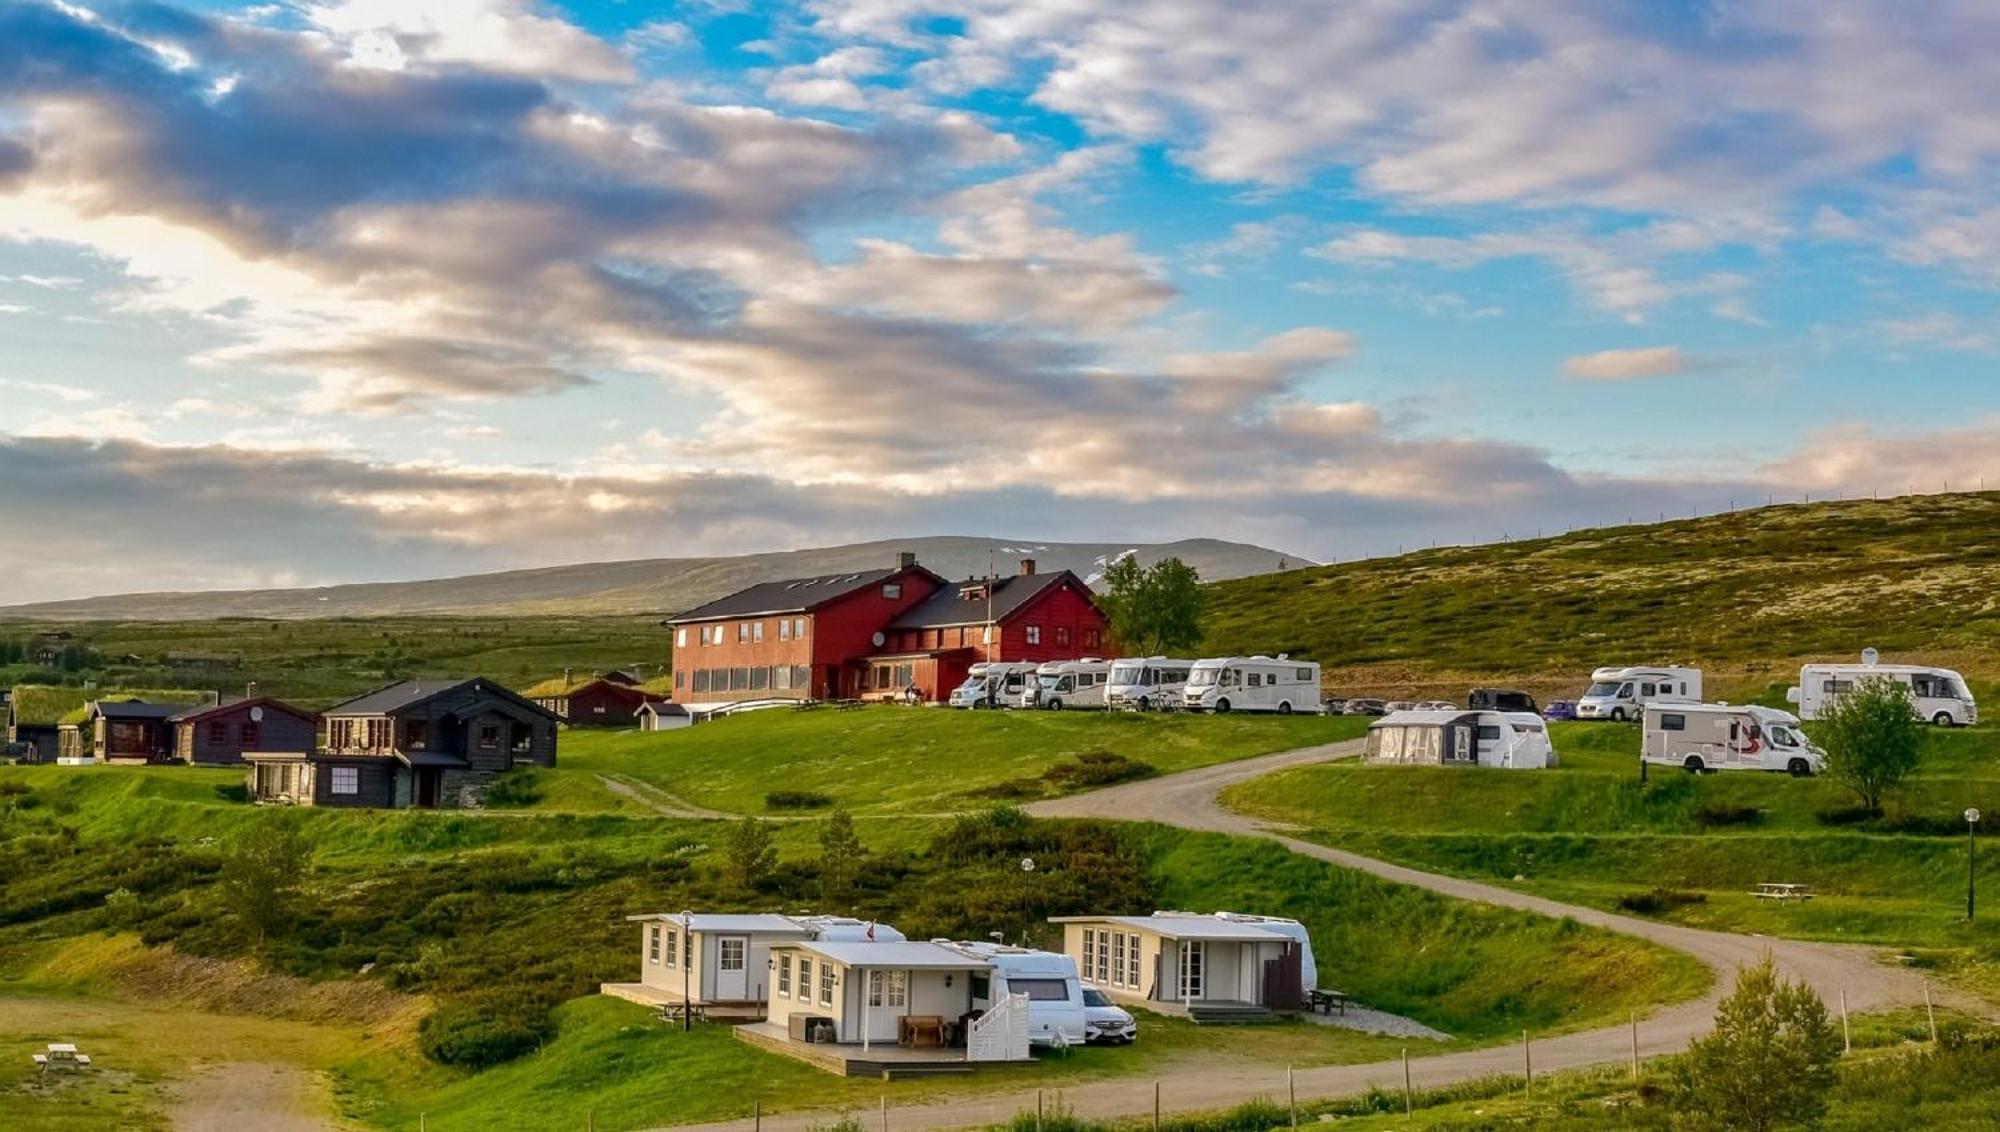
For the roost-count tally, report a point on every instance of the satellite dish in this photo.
(256, 715)
(1869, 656)
(880, 639)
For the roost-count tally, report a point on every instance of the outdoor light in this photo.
(1971, 848)
(1027, 864)
(687, 972)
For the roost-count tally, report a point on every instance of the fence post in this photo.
(1929, 1012)
(1527, 1064)
(1635, 1045)
(1156, 1106)
(1292, 1095)
(756, 1116)
(1846, 1037)
(1409, 1095)
(1038, 1110)
(885, 1112)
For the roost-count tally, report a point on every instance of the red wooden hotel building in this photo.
(875, 633)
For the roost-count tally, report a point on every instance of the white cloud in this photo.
(1627, 365)
(67, 393)
(501, 35)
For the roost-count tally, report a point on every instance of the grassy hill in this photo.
(1750, 593)
(656, 585)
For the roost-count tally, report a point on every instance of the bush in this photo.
(1848, 815)
(480, 1033)
(1097, 768)
(1716, 814)
(1659, 900)
(796, 800)
(515, 790)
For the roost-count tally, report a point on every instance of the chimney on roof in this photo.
(568, 678)
(1027, 567)
(906, 559)
(250, 690)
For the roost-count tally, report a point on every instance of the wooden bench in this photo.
(1321, 1001)
(920, 1030)
(1783, 892)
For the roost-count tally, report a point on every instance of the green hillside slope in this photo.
(1747, 592)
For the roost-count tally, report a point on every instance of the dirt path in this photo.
(240, 1095)
(658, 800)
(1189, 800)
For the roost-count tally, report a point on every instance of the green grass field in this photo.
(892, 759)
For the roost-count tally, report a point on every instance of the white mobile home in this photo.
(1203, 965)
(1144, 683)
(1048, 979)
(872, 993)
(1710, 737)
(1509, 740)
(715, 960)
(1061, 684)
(1308, 967)
(1939, 695)
(992, 684)
(1252, 683)
(1622, 693)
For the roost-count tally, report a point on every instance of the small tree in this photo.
(1768, 1063)
(262, 876)
(1154, 609)
(749, 856)
(840, 853)
(1872, 737)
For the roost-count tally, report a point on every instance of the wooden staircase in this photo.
(1228, 1013)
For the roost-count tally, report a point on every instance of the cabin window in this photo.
(345, 780)
(218, 732)
(1670, 722)
(1034, 633)
(801, 677)
(1089, 950)
(781, 677)
(1132, 959)
(1062, 634)
(680, 638)
(729, 955)
(653, 944)
(700, 680)
(249, 734)
(680, 680)
(739, 679)
(673, 949)
(1103, 956)
(760, 678)
(524, 736)
(805, 979)
(899, 988)
(1093, 638)
(784, 628)
(757, 632)
(826, 984)
(892, 590)
(743, 632)
(1118, 959)
(417, 733)
(798, 628)
(784, 976)
(489, 736)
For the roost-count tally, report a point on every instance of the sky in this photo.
(335, 290)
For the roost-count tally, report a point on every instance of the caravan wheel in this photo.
(1145, 704)
(1799, 768)
(1944, 719)
(1618, 715)
(1222, 707)
(1693, 764)
(1284, 709)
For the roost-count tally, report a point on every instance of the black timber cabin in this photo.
(427, 744)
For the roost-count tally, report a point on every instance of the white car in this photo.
(1104, 1021)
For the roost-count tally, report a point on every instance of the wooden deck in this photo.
(655, 997)
(882, 1059)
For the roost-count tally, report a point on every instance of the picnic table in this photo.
(678, 1011)
(1783, 892)
(1321, 1001)
(61, 1055)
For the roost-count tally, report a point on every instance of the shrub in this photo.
(1659, 900)
(1716, 814)
(1848, 815)
(796, 800)
(1097, 768)
(515, 790)
(1873, 739)
(479, 1033)
(1769, 1062)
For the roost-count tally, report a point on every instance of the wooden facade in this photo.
(598, 702)
(424, 744)
(1027, 617)
(220, 735)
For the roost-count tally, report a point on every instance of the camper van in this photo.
(990, 684)
(1252, 683)
(1507, 739)
(1144, 683)
(1049, 979)
(1937, 694)
(1061, 684)
(1711, 737)
(1308, 971)
(1622, 693)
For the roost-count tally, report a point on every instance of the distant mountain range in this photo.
(653, 585)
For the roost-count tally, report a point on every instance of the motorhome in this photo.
(1623, 693)
(1936, 694)
(1500, 699)
(1711, 737)
(1252, 683)
(1062, 684)
(991, 684)
(1510, 740)
(1144, 683)
(1056, 1014)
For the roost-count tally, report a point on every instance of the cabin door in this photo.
(732, 968)
(427, 788)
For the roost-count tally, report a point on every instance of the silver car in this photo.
(1104, 1021)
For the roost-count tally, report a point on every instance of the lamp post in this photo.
(1971, 846)
(687, 972)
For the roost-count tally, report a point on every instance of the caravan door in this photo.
(732, 968)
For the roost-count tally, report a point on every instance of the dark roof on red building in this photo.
(796, 595)
(1011, 594)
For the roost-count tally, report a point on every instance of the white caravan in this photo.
(1146, 682)
(1512, 740)
(1308, 969)
(1055, 991)
(1063, 684)
(1623, 693)
(1252, 683)
(1710, 737)
(991, 683)
(1937, 694)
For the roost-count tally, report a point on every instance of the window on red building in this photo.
(1062, 634)
(1034, 634)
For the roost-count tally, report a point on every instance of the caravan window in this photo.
(1489, 731)
(1305, 675)
(1836, 687)
(1673, 723)
(1645, 689)
(1256, 679)
(1040, 990)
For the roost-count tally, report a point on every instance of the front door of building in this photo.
(732, 968)
(1194, 969)
(427, 788)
